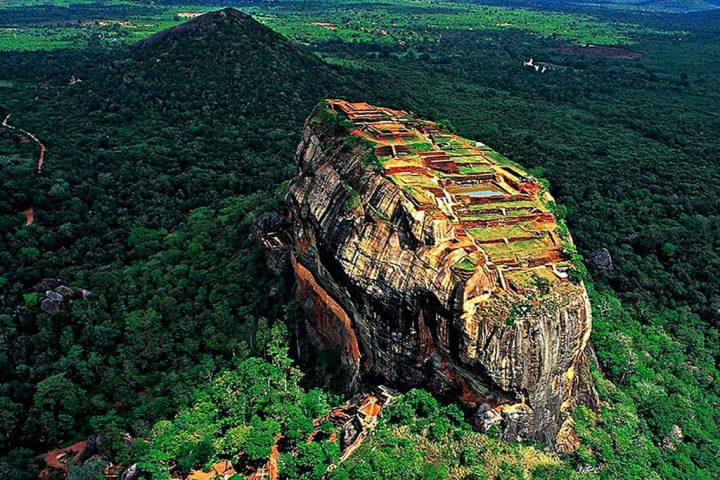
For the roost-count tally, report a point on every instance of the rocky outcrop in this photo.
(58, 295)
(601, 259)
(385, 280)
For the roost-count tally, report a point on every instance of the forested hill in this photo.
(199, 27)
(183, 122)
(143, 202)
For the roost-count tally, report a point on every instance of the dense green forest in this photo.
(162, 159)
(149, 205)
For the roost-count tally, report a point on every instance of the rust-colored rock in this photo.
(330, 325)
(431, 261)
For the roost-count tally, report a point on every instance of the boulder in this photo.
(600, 259)
(50, 306)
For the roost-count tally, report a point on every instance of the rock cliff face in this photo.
(431, 261)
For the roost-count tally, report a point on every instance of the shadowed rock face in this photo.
(411, 296)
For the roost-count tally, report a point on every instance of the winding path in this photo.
(29, 212)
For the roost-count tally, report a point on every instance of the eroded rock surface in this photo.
(431, 261)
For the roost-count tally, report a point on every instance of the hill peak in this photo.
(200, 25)
(226, 14)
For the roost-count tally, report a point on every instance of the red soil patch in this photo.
(29, 217)
(327, 316)
(222, 469)
(273, 463)
(371, 408)
(60, 457)
(41, 157)
(407, 169)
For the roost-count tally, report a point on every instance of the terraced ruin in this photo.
(500, 215)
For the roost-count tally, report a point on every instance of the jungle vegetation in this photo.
(161, 160)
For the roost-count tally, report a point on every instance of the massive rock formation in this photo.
(431, 261)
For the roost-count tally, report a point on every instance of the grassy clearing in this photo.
(472, 159)
(403, 20)
(379, 22)
(498, 157)
(420, 147)
(101, 23)
(497, 233)
(414, 180)
(81, 35)
(513, 204)
(522, 248)
(493, 215)
(465, 264)
(475, 169)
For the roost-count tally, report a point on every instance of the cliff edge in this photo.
(429, 260)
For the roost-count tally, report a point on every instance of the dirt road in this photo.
(29, 212)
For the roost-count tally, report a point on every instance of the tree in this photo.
(9, 419)
(91, 470)
(55, 410)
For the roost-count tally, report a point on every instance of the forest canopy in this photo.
(161, 161)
